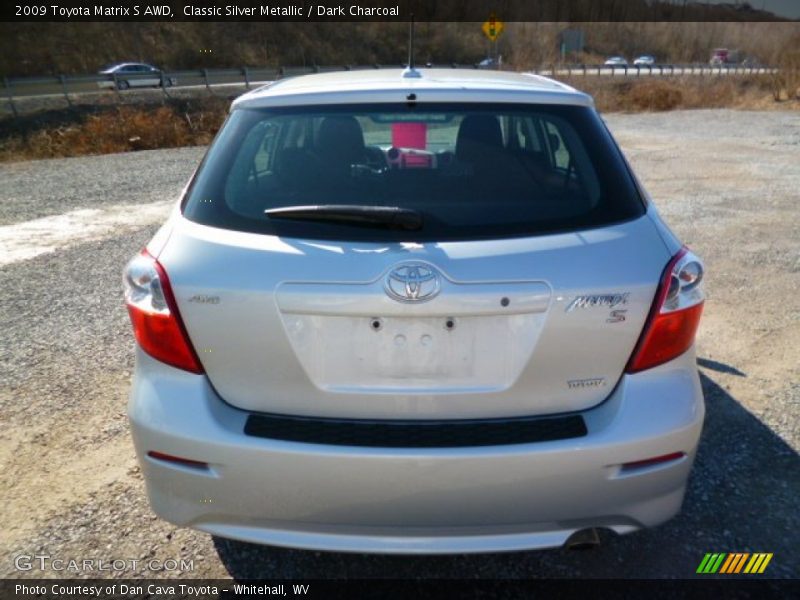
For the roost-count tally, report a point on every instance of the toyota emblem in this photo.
(413, 282)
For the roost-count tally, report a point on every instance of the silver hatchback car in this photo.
(415, 312)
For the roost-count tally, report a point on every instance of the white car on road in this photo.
(415, 312)
(644, 61)
(616, 61)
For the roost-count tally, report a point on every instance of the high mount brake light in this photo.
(154, 314)
(674, 316)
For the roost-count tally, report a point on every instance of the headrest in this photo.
(478, 133)
(341, 136)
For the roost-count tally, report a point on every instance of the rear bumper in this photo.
(425, 500)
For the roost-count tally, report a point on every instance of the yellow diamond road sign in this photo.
(492, 28)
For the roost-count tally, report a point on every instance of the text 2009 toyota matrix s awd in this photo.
(415, 312)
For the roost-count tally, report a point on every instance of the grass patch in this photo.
(753, 92)
(104, 130)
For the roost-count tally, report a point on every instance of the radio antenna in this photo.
(411, 43)
(410, 70)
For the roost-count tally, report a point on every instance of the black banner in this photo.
(731, 588)
(386, 10)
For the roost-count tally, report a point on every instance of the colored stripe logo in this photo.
(731, 563)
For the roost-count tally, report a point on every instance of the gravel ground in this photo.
(50, 187)
(729, 184)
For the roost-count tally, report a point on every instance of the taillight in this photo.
(674, 316)
(154, 315)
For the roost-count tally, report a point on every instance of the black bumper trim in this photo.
(415, 434)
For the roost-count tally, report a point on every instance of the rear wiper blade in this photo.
(386, 216)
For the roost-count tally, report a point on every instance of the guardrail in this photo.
(655, 69)
(69, 87)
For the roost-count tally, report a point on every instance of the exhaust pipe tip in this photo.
(583, 539)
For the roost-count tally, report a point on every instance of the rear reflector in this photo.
(186, 462)
(656, 460)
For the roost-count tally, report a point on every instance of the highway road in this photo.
(33, 94)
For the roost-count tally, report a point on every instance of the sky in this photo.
(782, 8)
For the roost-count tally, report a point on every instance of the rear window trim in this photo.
(381, 236)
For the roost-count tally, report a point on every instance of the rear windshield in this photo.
(471, 171)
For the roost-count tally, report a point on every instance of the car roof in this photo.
(427, 84)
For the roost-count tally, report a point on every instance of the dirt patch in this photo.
(62, 459)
